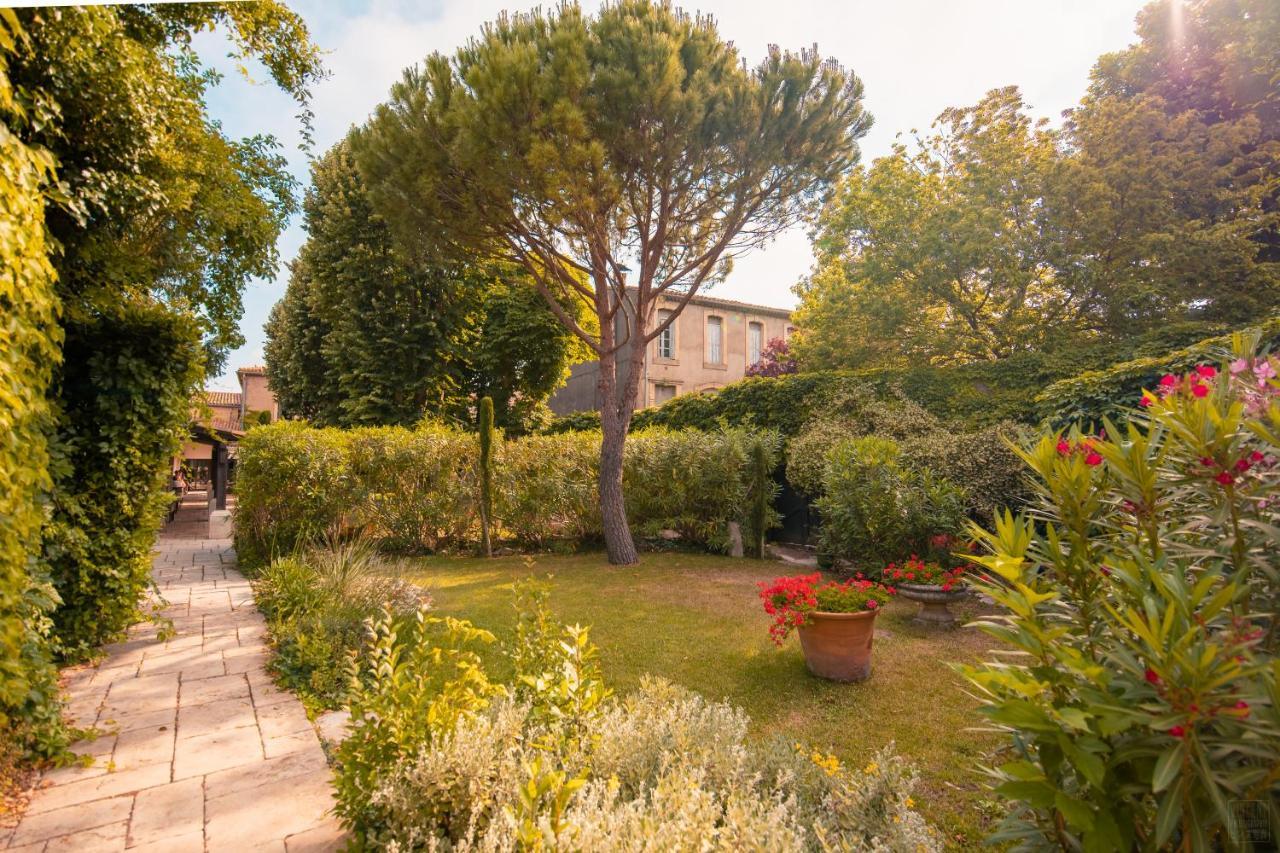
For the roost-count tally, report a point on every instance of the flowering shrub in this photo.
(1141, 590)
(916, 571)
(775, 360)
(790, 600)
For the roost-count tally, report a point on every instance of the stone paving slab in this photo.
(199, 750)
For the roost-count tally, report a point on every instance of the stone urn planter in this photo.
(837, 646)
(933, 602)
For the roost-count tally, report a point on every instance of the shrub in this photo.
(982, 463)
(292, 485)
(875, 509)
(125, 387)
(692, 482)
(316, 603)
(1111, 392)
(1141, 592)
(30, 719)
(546, 488)
(418, 490)
(441, 757)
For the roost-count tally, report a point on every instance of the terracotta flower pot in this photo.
(837, 646)
(933, 603)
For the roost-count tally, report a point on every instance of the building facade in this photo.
(710, 344)
(230, 413)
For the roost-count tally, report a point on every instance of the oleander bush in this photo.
(876, 509)
(316, 603)
(1140, 594)
(415, 491)
(441, 756)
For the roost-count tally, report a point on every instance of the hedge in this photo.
(125, 392)
(30, 341)
(971, 396)
(417, 491)
(1110, 393)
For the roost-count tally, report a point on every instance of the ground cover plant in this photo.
(443, 754)
(696, 620)
(316, 603)
(1141, 590)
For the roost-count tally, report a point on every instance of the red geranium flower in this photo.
(1094, 458)
(1226, 478)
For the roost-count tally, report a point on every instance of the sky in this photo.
(915, 58)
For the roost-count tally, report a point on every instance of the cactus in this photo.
(486, 474)
(761, 492)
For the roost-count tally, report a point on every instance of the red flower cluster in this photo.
(1087, 446)
(917, 571)
(790, 600)
(1227, 472)
(1198, 383)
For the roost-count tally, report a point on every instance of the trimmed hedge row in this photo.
(417, 491)
(1091, 396)
(971, 396)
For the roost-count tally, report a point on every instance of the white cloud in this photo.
(915, 57)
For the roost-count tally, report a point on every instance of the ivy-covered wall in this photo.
(125, 391)
(29, 351)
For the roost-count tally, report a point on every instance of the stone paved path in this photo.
(200, 751)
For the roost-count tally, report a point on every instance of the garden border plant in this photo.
(1141, 594)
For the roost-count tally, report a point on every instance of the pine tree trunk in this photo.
(617, 532)
(618, 400)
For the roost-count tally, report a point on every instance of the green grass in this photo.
(697, 620)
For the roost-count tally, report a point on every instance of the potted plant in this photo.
(835, 621)
(930, 584)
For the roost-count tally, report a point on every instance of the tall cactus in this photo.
(761, 492)
(486, 473)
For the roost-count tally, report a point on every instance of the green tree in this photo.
(155, 218)
(586, 149)
(368, 335)
(157, 200)
(937, 253)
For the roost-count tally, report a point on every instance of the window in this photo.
(663, 393)
(715, 337)
(667, 339)
(755, 342)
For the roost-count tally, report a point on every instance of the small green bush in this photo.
(316, 604)
(876, 510)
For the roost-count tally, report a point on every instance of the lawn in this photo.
(696, 619)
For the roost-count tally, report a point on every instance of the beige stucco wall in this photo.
(195, 450)
(257, 395)
(690, 370)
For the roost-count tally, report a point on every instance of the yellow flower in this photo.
(829, 763)
(911, 804)
(871, 768)
(897, 819)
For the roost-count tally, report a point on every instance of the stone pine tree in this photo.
(620, 159)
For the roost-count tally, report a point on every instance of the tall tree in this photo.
(366, 335)
(156, 200)
(618, 159)
(937, 253)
